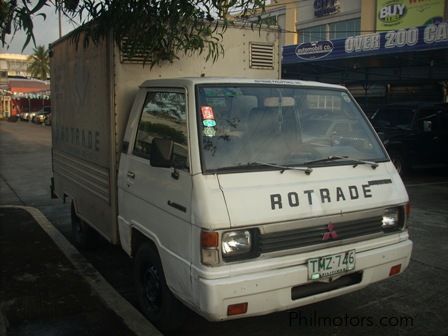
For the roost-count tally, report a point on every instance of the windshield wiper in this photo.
(372, 164)
(255, 165)
(307, 170)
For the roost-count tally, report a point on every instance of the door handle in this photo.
(177, 206)
(131, 175)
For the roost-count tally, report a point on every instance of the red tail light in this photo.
(395, 270)
(237, 309)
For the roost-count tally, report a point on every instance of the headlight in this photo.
(393, 219)
(236, 243)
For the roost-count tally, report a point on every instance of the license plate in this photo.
(327, 266)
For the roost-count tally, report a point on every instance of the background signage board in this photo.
(398, 14)
(429, 37)
(326, 7)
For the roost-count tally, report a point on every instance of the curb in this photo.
(133, 319)
(3, 324)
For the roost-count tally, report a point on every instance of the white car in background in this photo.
(24, 116)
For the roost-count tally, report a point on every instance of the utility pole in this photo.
(59, 20)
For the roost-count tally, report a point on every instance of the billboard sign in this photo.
(398, 14)
(326, 7)
(429, 37)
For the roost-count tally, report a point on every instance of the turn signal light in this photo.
(395, 270)
(407, 209)
(209, 239)
(209, 248)
(237, 309)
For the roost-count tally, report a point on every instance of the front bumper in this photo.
(271, 290)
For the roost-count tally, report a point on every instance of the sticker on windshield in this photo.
(346, 97)
(209, 123)
(209, 131)
(207, 113)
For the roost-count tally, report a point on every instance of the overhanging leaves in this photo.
(158, 31)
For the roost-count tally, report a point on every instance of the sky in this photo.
(45, 32)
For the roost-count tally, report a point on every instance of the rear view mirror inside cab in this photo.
(279, 102)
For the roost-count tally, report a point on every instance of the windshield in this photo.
(394, 117)
(241, 126)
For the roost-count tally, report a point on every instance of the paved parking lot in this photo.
(415, 303)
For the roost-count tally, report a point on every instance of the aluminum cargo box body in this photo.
(83, 117)
(93, 89)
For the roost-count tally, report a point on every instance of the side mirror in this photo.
(162, 153)
(427, 126)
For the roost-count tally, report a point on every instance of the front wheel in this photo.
(157, 302)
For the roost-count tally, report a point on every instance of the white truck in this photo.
(234, 197)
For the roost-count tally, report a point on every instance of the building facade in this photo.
(14, 65)
(23, 95)
(19, 93)
(382, 50)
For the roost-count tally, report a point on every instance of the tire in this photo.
(156, 300)
(83, 235)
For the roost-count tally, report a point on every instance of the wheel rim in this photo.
(152, 288)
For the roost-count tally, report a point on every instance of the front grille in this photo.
(278, 241)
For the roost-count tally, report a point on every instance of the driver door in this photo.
(154, 200)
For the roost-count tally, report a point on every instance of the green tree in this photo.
(158, 30)
(40, 63)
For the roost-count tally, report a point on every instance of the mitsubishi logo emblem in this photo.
(331, 234)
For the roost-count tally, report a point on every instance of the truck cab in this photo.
(242, 197)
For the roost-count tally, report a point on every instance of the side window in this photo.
(163, 116)
(429, 120)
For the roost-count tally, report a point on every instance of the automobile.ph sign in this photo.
(314, 50)
(398, 14)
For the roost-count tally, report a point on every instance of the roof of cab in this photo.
(184, 81)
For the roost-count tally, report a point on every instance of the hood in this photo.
(269, 197)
